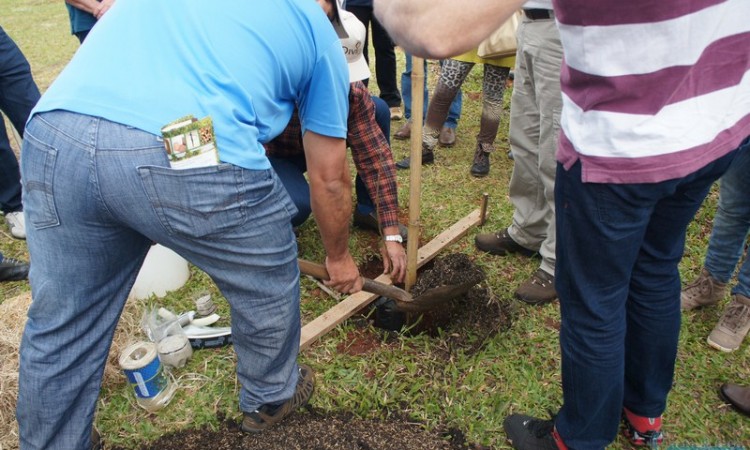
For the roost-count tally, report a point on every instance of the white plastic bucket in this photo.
(162, 271)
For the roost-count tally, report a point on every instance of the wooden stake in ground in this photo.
(415, 169)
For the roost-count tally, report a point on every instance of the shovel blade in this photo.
(434, 298)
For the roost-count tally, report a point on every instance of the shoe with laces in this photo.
(269, 415)
(480, 167)
(641, 431)
(703, 291)
(537, 290)
(403, 133)
(13, 270)
(16, 224)
(500, 243)
(530, 433)
(733, 325)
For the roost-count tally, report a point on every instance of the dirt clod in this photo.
(452, 269)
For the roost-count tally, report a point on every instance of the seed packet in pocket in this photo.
(190, 143)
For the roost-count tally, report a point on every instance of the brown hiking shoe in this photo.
(404, 132)
(733, 326)
(500, 243)
(447, 137)
(537, 290)
(703, 291)
(269, 415)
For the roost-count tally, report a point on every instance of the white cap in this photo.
(353, 46)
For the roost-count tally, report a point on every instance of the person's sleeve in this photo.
(372, 156)
(324, 105)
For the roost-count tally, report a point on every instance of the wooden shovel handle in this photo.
(319, 271)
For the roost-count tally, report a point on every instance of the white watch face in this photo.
(394, 238)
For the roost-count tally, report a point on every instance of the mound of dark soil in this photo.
(467, 321)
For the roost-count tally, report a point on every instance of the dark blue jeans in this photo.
(292, 170)
(18, 95)
(618, 247)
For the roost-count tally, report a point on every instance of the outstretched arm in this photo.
(442, 28)
(331, 199)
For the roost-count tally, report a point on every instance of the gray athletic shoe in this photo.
(733, 326)
(703, 291)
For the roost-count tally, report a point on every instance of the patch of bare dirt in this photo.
(313, 430)
(465, 324)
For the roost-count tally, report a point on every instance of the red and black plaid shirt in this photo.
(370, 151)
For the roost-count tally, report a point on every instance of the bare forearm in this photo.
(442, 28)
(332, 206)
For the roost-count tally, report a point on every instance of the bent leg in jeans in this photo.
(98, 193)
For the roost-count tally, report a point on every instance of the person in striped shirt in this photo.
(655, 104)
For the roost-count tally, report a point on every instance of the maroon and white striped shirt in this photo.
(652, 90)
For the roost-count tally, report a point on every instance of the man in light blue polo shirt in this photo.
(99, 189)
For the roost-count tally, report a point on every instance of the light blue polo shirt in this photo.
(245, 64)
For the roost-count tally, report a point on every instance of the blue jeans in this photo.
(18, 95)
(97, 194)
(291, 171)
(454, 113)
(616, 276)
(731, 224)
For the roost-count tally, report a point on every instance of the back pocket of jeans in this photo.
(38, 183)
(196, 203)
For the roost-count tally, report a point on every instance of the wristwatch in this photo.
(394, 238)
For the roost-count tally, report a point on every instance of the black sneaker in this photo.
(269, 415)
(428, 157)
(13, 270)
(530, 433)
(480, 167)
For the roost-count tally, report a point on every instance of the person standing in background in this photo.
(18, 95)
(452, 75)
(385, 54)
(447, 136)
(726, 246)
(84, 14)
(534, 125)
(648, 125)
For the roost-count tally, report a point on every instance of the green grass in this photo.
(517, 370)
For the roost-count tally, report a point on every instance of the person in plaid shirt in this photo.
(371, 152)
